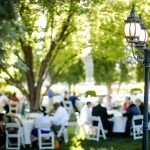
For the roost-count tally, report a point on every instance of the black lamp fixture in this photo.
(137, 35)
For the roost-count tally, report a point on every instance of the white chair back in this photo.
(96, 131)
(137, 124)
(48, 142)
(13, 131)
(79, 124)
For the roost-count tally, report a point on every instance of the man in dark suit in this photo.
(102, 113)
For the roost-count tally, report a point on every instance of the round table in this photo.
(119, 121)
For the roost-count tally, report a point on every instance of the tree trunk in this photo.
(35, 102)
(109, 89)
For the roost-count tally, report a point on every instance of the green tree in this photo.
(44, 35)
(7, 21)
(104, 72)
(72, 73)
(42, 28)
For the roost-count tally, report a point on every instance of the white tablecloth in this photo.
(33, 115)
(28, 125)
(119, 121)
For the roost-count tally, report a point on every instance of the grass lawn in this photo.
(118, 142)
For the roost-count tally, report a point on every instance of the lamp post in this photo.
(137, 36)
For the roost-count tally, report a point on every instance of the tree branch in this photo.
(14, 81)
(52, 48)
(59, 70)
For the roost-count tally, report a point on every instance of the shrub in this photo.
(135, 91)
(91, 93)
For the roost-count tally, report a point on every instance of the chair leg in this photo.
(98, 134)
(83, 129)
(7, 142)
(103, 134)
(52, 138)
(66, 135)
(19, 142)
(77, 129)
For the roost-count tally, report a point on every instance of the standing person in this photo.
(86, 113)
(131, 111)
(65, 96)
(102, 113)
(73, 100)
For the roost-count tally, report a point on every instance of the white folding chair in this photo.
(45, 140)
(137, 125)
(95, 132)
(13, 107)
(69, 107)
(63, 130)
(13, 131)
(79, 124)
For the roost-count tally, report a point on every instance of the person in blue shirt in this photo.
(50, 93)
(73, 99)
(131, 111)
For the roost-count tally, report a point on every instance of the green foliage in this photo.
(135, 90)
(124, 72)
(104, 71)
(71, 73)
(139, 72)
(7, 9)
(91, 93)
(36, 36)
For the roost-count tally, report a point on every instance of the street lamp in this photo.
(137, 36)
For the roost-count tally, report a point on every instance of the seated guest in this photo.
(86, 113)
(44, 118)
(102, 113)
(11, 117)
(60, 117)
(131, 111)
(14, 98)
(73, 99)
(109, 104)
(4, 102)
(2, 132)
(140, 105)
(126, 103)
